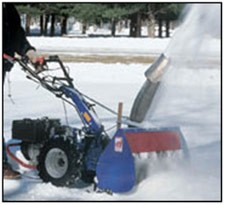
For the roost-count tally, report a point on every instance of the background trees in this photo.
(134, 14)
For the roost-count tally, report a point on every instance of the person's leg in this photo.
(5, 159)
(8, 172)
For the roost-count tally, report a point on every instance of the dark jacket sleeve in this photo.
(21, 44)
(14, 37)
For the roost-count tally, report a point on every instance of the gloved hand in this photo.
(37, 60)
(33, 56)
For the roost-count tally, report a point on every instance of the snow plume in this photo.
(192, 78)
(189, 96)
(196, 37)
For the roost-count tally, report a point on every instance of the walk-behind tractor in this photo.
(63, 155)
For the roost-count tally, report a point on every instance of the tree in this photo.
(96, 13)
(88, 14)
(63, 11)
(134, 14)
(35, 9)
(167, 12)
(151, 21)
(30, 10)
(113, 13)
(51, 11)
(48, 11)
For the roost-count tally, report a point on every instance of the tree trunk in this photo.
(126, 24)
(151, 23)
(46, 25)
(135, 25)
(27, 27)
(84, 28)
(167, 28)
(151, 29)
(113, 28)
(52, 29)
(95, 28)
(160, 29)
(120, 26)
(41, 25)
(63, 25)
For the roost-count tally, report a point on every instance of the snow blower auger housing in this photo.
(64, 154)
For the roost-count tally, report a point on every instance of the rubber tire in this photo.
(71, 173)
(87, 176)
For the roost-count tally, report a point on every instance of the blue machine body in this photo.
(83, 110)
(114, 165)
(116, 170)
(93, 128)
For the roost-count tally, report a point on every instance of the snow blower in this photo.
(63, 154)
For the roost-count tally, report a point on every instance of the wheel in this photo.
(87, 176)
(59, 162)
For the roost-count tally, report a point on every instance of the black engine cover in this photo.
(33, 131)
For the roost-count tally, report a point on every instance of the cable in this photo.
(65, 112)
(99, 104)
(9, 89)
(17, 159)
(110, 128)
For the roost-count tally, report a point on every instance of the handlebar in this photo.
(44, 78)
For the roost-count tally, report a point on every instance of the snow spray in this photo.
(193, 45)
(182, 86)
(202, 22)
(191, 83)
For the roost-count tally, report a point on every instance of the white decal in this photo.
(118, 144)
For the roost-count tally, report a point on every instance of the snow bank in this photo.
(82, 46)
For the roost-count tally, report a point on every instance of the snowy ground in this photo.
(192, 101)
(100, 45)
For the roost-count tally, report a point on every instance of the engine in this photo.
(34, 133)
(61, 153)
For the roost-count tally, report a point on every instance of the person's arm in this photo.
(20, 41)
(22, 44)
